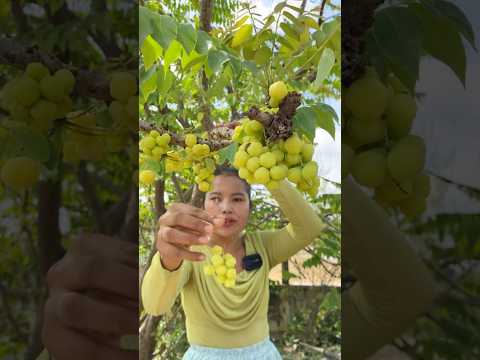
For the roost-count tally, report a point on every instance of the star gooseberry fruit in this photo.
(221, 266)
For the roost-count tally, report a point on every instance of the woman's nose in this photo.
(226, 207)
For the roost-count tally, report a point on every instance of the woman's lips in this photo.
(225, 222)
(229, 223)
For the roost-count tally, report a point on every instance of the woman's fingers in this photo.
(168, 250)
(190, 210)
(81, 312)
(81, 272)
(186, 221)
(180, 237)
(64, 343)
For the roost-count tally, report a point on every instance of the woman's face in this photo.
(228, 201)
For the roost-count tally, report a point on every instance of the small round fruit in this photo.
(369, 168)
(217, 250)
(208, 270)
(37, 71)
(220, 270)
(147, 177)
(307, 152)
(20, 172)
(279, 172)
(253, 164)
(255, 149)
(262, 175)
(293, 145)
(413, 206)
(122, 86)
(190, 140)
(407, 158)
(66, 78)
(231, 274)
(310, 170)
(216, 260)
(295, 175)
(278, 91)
(400, 112)
(204, 186)
(366, 98)
(164, 139)
(268, 160)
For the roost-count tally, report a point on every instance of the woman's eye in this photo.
(238, 199)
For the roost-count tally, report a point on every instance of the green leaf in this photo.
(173, 53)
(203, 42)
(241, 21)
(398, 34)
(290, 31)
(164, 29)
(31, 143)
(326, 118)
(187, 36)
(216, 59)
(165, 81)
(228, 153)
(443, 42)
(279, 7)
(263, 55)
(151, 51)
(295, 8)
(148, 81)
(145, 24)
(457, 17)
(325, 65)
(304, 121)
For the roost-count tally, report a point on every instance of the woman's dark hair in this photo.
(227, 170)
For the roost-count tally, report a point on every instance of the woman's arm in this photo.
(160, 287)
(304, 225)
(393, 287)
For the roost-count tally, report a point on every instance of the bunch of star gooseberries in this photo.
(267, 164)
(196, 156)
(37, 97)
(378, 148)
(222, 266)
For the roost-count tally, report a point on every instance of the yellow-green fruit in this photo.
(307, 152)
(216, 260)
(205, 149)
(148, 142)
(273, 185)
(268, 160)
(421, 185)
(230, 261)
(278, 91)
(293, 159)
(399, 115)
(158, 151)
(220, 270)
(392, 191)
(217, 250)
(36, 71)
(64, 106)
(252, 127)
(231, 274)
(147, 177)
(279, 155)
(413, 206)
(407, 158)
(279, 172)
(293, 145)
(310, 170)
(366, 131)
(237, 133)
(369, 168)
(253, 164)
(366, 98)
(26, 91)
(154, 134)
(204, 186)
(190, 140)
(347, 159)
(243, 173)
(163, 140)
(221, 279)
(255, 149)
(122, 86)
(44, 112)
(66, 78)
(51, 88)
(240, 159)
(208, 270)
(262, 175)
(295, 175)
(20, 172)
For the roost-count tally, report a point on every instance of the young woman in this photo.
(224, 323)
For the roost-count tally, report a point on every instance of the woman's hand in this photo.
(93, 300)
(180, 227)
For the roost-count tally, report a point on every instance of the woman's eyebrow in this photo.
(239, 193)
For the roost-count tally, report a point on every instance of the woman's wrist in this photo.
(170, 265)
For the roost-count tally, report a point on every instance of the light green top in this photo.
(233, 317)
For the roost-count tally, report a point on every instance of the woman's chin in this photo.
(226, 232)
